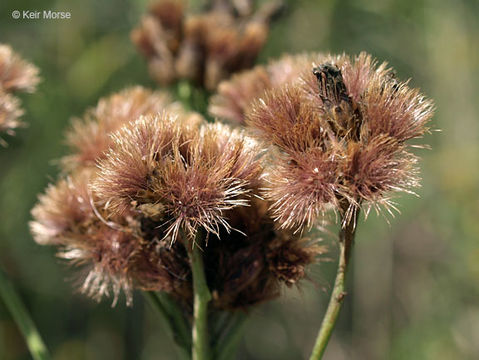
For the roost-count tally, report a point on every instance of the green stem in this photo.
(172, 315)
(346, 240)
(192, 97)
(202, 296)
(180, 322)
(184, 92)
(22, 318)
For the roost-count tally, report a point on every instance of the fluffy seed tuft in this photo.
(341, 133)
(16, 75)
(89, 137)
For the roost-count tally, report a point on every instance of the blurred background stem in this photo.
(230, 337)
(192, 97)
(174, 317)
(22, 318)
(346, 240)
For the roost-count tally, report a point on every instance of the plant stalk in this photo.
(346, 240)
(24, 322)
(202, 296)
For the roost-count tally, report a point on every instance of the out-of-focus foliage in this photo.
(415, 283)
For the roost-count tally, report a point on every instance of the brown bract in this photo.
(205, 47)
(340, 132)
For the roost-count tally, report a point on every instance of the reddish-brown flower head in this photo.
(16, 75)
(89, 137)
(66, 216)
(190, 175)
(236, 95)
(303, 186)
(341, 132)
(206, 47)
(113, 253)
(10, 111)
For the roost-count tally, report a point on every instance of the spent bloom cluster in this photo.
(142, 182)
(206, 47)
(16, 75)
(152, 197)
(339, 138)
(236, 95)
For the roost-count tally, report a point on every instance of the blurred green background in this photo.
(414, 285)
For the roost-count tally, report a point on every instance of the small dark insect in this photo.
(342, 112)
(332, 89)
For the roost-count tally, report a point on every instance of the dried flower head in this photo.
(129, 222)
(340, 134)
(89, 137)
(10, 111)
(206, 47)
(236, 94)
(15, 75)
(113, 253)
(190, 175)
(66, 217)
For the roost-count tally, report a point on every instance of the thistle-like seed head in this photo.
(236, 95)
(61, 208)
(303, 186)
(10, 111)
(66, 216)
(16, 75)
(116, 254)
(341, 132)
(89, 137)
(193, 175)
